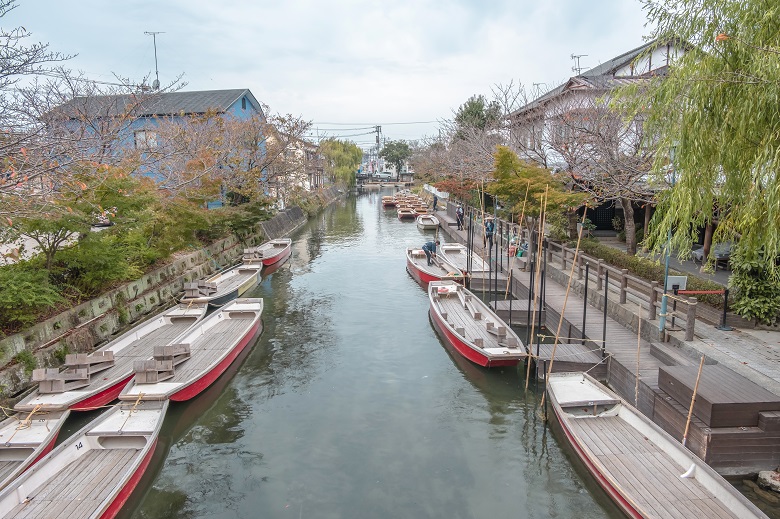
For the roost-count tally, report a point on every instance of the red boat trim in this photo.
(278, 257)
(100, 399)
(601, 479)
(123, 495)
(197, 386)
(457, 344)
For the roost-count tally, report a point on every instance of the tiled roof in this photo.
(599, 77)
(157, 104)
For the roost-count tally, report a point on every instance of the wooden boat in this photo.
(427, 221)
(471, 328)
(271, 252)
(24, 439)
(181, 370)
(388, 201)
(94, 380)
(405, 213)
(458, 254)
(224, 286)
(420, 209)
(417, 266)
(93, 473)
(645, 471)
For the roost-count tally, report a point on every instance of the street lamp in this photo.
(662, 317)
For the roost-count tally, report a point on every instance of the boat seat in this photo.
(93, 362)
(152, 371)
(51, 380)
(498, 331)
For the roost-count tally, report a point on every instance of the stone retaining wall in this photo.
(83, 327)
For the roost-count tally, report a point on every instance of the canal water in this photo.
(349, 406)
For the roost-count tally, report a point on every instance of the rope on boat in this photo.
(133, 409)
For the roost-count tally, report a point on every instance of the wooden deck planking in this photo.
(459, 258)
(6, 467)
(83, 486)
(138, 350)
(233, 282)
(644, 469)
(207, 348)
(459, 316)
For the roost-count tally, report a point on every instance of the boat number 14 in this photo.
(79, 445)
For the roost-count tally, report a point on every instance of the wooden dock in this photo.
(570, 357)
(519, 311)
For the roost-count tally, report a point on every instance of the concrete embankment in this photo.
(88, 325)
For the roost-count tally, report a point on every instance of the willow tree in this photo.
(716, 123)
(342, 159)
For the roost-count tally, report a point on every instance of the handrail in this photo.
(620, 280)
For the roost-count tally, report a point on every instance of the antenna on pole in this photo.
(577, 68)
(153, 34)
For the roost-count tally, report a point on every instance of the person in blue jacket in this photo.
(430, 250)
(490, 227)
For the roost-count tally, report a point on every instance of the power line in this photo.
(381, 124)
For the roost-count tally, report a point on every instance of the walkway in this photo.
(753, 354)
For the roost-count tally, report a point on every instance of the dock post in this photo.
(598, 275)
(579, 266)
(604, 328)
(690, 323)
(723, 326)
(585, 300)
(653, 300)
(623, 285)
(530, 302)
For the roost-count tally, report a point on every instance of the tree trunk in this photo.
(648, 208)
(573, 218)
(630, 226)
(707, 241)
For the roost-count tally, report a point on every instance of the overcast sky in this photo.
(357, 62)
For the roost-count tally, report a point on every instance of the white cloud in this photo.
(350, 60)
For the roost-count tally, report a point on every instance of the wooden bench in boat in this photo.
(199, 289)
(78, 369)
(163, 365)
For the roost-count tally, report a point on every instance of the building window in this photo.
(243, 103)
(145, 139)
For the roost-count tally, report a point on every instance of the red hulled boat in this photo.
(94, 380)
(471, 328)
(93, 473)
(418, 268)
(182, 370)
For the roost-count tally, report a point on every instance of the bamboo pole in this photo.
(522, 215)
(693, 401)
(566, 297)
(537, 275)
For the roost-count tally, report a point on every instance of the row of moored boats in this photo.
(644, 470)
(173, 356)
(410, 206)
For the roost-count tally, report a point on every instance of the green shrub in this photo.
(25, 295)
(650, 270)
(95, 263)
(27, 360)
(61, 352)
(757, 294)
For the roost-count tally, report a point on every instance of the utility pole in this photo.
(153, 34)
